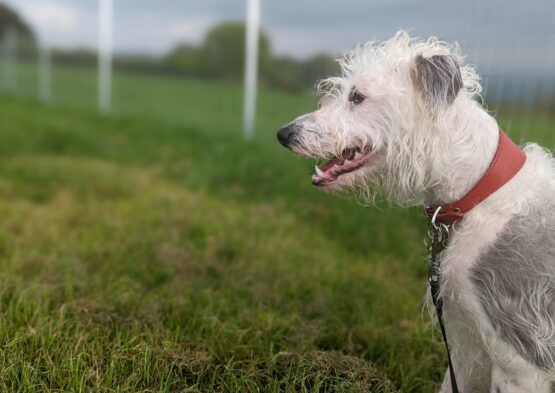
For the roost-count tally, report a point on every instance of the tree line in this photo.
(220, 56)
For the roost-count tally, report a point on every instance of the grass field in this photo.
(154, 250)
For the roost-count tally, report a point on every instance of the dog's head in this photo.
(377, 125)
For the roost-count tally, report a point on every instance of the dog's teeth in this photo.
(318, 170)
(357, 156)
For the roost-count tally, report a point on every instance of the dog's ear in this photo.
(438, 78)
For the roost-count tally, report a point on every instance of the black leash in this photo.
(439, 237)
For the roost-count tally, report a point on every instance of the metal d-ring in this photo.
(433, 220)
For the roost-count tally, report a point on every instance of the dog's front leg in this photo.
(519, 377)
(462, 384)
(446, 385)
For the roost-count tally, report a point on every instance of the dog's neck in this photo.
(473, 138)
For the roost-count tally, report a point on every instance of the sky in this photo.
(512, 35)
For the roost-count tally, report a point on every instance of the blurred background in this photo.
(155, 237)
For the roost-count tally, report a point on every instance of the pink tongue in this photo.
(331, 163)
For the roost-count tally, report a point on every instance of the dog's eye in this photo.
(356, 97)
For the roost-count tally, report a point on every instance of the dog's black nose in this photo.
(284, 135)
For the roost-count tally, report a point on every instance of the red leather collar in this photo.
(506, 163)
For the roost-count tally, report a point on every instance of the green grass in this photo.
(155, 250)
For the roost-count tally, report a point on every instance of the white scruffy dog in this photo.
(404, 119)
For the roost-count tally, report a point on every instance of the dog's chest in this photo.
(462, 311)
(466, 245)
(500, 278)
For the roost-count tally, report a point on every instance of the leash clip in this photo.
(438, 235)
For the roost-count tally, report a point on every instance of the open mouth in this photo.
(348, 161)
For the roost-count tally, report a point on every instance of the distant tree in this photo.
(224, 50)
(318, 67)
(285, 73)
(295, 75)
(10, 18)
(188, 58)
(26, 44)
(75, 57)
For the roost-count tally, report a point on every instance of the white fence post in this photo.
(251, 66)
(45, 73)
(105, 26)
